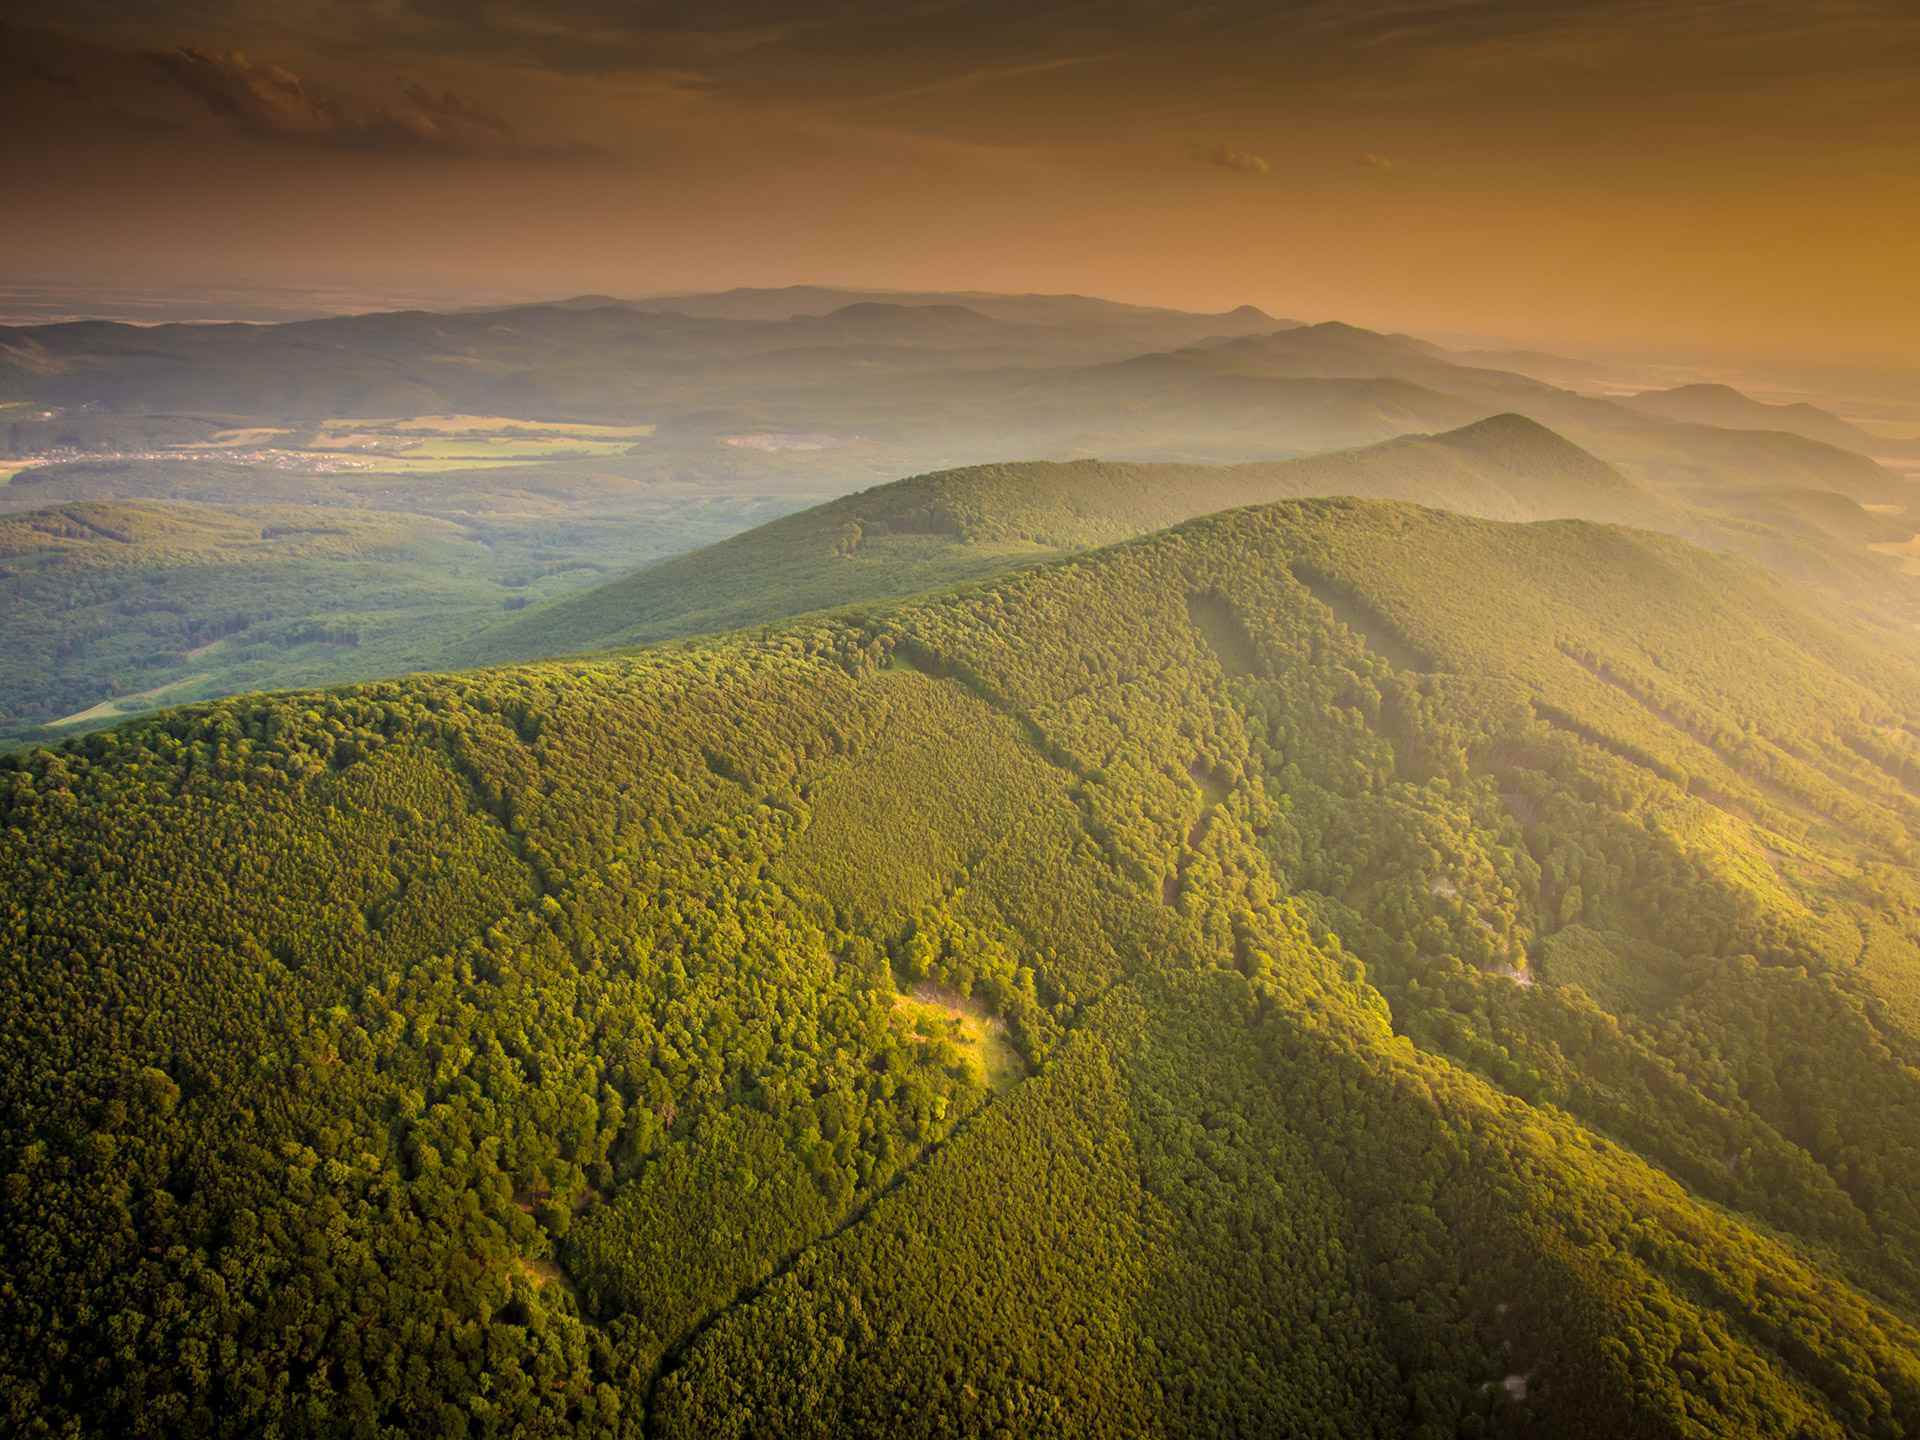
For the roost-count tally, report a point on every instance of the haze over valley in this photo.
(315, 501)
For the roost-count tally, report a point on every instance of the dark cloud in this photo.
(269, 101)
(1637, 143)
(56, 86)
(1064, 58)
(880, 46)
(259, 99)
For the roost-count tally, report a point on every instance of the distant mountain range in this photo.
(935, 379)
(1067, 312)
(735, 406)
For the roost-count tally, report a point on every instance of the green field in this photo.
(471, 425)
(461, 441)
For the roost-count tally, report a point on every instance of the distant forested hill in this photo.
(521, 455)
(931, 530)
(895, 540)
(1724, 406)
(1331, 968)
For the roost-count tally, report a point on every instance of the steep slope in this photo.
(1460, 978)
(936, 529)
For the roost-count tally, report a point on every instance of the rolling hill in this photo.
(932, 530)
(576, 440)
(1333, 967)
(1144, 324)
(1663, 450)
(582, 360)
(1726, 407)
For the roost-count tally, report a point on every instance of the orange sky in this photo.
(1734, 175)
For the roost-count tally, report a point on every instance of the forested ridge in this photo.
(928, 530)
(953, 526)
(1331, 968)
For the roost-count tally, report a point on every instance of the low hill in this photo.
(1663, 451)
(1057, 311)
(588, 359)
(109, 606)
(1727, 407)
(936, 529)
(872, 315)
(1330, 968)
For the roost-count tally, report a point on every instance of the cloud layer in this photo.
(1723, 167)
(59, 86)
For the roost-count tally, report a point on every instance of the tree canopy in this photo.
(1331, 968)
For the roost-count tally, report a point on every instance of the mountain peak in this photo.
(1704, 390)
(1515, 442)
(1333, 328)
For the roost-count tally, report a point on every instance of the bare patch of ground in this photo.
(978, 1032)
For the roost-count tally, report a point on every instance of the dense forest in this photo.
(209, 586)
(912, 535)
(1332, 968)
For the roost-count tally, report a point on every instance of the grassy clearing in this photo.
(415, 465)
(249, 438)
(469, 441)
(119, 705)
(979, 1036)
(1622, 975)
(543, 1273)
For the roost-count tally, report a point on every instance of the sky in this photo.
(1731, 176)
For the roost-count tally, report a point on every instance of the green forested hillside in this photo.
(930, 530)
(1332, 968)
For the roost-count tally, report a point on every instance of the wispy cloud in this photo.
(1226, 157)
(266, 100)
